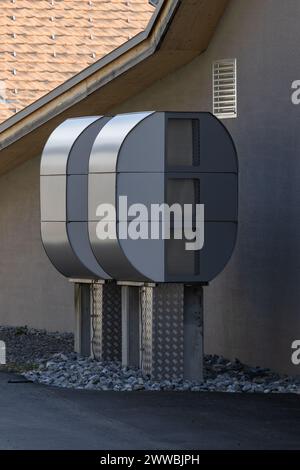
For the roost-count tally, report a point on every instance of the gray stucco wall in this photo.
(31, 291)
(253, 307)
(252, 310)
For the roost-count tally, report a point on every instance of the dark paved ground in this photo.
(37, 417)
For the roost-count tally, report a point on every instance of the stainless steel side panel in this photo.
(64, 197)
(104, 161)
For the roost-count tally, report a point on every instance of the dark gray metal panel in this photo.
(179, 142)
(77, 169)
(78, 161)
(143, 149)
(181, 190)
(217, 149)
(220, 239)
(79, 240)
(180, 263)
(146, 256)
(77, 189)
(201, 169)
(183, 141)
(217, 191)
(219, 194)
(111, 257)
(212, 147)
(141, 188)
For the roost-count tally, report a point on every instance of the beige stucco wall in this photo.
(31, 291)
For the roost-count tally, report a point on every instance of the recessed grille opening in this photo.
(225, 88)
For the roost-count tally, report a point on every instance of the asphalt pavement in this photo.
(34, 416)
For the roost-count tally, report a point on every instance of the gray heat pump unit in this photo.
(147, 158)
(157, 158)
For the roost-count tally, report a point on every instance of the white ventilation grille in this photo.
(225, 88)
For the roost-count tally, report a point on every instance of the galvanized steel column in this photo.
(172, 332)
(162, 331)
(106, 322)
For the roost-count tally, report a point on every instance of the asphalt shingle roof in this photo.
(45, 42)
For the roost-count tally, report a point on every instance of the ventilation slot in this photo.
(225, 89)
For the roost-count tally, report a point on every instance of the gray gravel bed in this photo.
(47, 358)
(221, 375)
(25, 345)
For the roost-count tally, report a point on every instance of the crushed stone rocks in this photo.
(48, 358)
(25, 345)
(221, 375)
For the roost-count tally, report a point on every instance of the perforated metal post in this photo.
(106, 322)
(172, 332)
(162, 331)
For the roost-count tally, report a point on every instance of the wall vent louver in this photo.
(225, 88)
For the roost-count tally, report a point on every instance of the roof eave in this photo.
(89, 71)
(65, 99)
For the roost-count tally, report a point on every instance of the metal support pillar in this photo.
(130, 326)
(157, 328)
(172, 332)
(162, 331)
(193, 333)
(106, 321)
(82, 319)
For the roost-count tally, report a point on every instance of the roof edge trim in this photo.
(150, 34)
